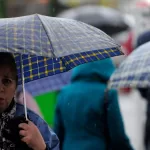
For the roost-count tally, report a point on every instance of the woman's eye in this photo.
(6, 81)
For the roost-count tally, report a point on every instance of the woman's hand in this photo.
(32, 136)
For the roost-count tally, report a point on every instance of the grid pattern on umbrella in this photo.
(50, 37)
(24, 35)
(134, 71)
(51, 83)
(52, 45)
(36, 67)
(68, 36)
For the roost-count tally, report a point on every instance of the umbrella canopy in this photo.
(134, 71)
(49, 46)
(44, 46)
(108, 20)
(47, 84)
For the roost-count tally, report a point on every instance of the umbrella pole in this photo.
(23, 87)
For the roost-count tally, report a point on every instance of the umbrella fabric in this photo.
(49, 45)
(47, 84)
(134, 71)
(108, 20)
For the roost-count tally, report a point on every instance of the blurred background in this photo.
(137, 17)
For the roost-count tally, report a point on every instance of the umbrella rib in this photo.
(47, 36)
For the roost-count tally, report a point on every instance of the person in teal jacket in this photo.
(79, 119)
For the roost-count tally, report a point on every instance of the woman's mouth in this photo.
(2, 100)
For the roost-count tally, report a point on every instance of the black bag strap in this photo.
(106, 103)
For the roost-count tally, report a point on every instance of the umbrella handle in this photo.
(23, 87)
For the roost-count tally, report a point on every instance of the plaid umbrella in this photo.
(49, 45)
(134, 71)
(47, 84)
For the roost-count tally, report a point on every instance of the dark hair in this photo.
(143, 38)
(7, 59)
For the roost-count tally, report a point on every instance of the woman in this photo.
(81, 120)
(34, 133)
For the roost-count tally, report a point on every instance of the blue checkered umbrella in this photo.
(44, 46)
(134, 71)
(47, 84)
(49, 45)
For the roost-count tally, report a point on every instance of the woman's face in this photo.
(7, 87)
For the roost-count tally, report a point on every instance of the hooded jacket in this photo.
(79, 120)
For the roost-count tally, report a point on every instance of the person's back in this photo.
(80, 118)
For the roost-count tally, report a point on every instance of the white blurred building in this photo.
(133, 108)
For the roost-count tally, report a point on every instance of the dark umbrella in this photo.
(108, 20)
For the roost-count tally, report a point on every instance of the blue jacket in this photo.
(79, 121)
(49, 136)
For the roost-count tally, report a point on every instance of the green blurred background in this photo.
(48, 106)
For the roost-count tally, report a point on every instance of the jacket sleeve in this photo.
(58, 126)
(49, 136)
(118, 137)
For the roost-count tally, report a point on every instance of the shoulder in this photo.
(113, 95)
(67, 90)
(47, 133)
(112, 92)
(63, 95)
(32, 115)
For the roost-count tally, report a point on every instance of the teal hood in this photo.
(97, 70)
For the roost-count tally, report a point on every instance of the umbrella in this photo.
(47, 84)
(44, 46)
(108, 20)
(134, 71)
(71, 3)
(64, 43)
